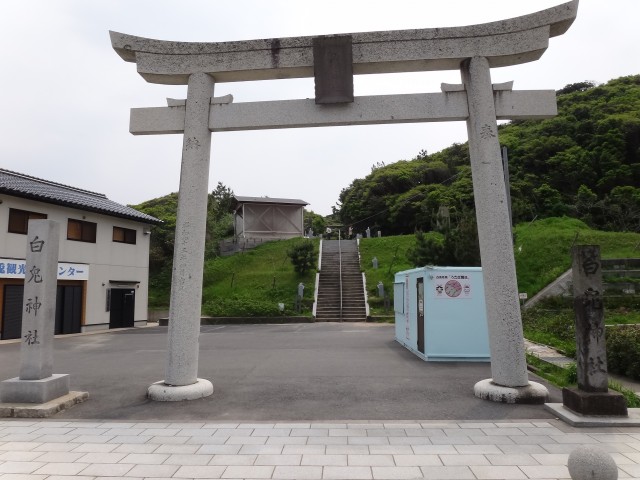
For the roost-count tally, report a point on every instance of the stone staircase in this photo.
(353, 300)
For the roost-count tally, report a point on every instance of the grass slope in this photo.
(543, 249)
(253, 283)
(542, 253)
(391, 253)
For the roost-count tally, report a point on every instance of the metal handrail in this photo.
(340, 271)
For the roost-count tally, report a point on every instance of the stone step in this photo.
(336, 287)
(336, 318)
(344, 310)
(345, 300)
(336, 281)
(336, 292)
(336, 307)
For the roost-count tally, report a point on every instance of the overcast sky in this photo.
(67, 94)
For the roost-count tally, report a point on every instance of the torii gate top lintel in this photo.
(506, 42)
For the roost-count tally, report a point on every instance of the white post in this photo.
(508, 363)
(181, 379)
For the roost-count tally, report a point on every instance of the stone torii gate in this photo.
(332, 61)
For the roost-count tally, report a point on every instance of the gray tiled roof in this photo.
(281, 201)
(19, 185)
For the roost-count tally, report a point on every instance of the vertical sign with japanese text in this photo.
(591, 352)
(38, 314)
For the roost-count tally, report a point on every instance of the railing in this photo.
(340, 271)
(315, 291)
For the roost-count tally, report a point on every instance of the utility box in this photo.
(440, 313)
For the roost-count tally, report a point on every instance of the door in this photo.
(12, 311)
(122, 307)
(68, 309)
(420, 310)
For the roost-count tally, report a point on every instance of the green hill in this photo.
(583, 163)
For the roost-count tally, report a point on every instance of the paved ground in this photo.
(321, 371)
(72, 450)
(320, 401)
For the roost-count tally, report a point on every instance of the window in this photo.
(19, 220)
(124, 235)
(81, 231)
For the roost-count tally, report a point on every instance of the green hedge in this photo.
(623, 350)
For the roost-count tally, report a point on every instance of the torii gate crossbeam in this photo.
(369, 110)
(474, 50)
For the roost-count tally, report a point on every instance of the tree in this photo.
(428, 250)
(577, 87)
(461, 242)
(621, 209)
(549, 201)
(219, 219)
(314, 221)
(453, 246)
(219, 226)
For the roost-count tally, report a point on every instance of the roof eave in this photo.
(53, 201)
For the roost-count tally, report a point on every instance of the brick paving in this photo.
(504, 450)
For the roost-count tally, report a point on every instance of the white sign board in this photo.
(452, 286)
(12, 268)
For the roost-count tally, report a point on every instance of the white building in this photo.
(268, 218)
(103, 270)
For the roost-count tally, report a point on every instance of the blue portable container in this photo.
(440, 313)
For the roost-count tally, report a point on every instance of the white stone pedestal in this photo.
(16, 390)
(533, 393)
(162, 392)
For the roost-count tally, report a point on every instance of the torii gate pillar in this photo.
(509, 380)
(181, 380)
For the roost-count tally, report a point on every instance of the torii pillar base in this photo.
(534, 393)
(161, 392)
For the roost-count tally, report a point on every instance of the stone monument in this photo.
(37, 383)
(592, 397)
(332, 61)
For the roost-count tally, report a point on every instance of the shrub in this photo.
(623, 350)
(242, 306)
(303, 256)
